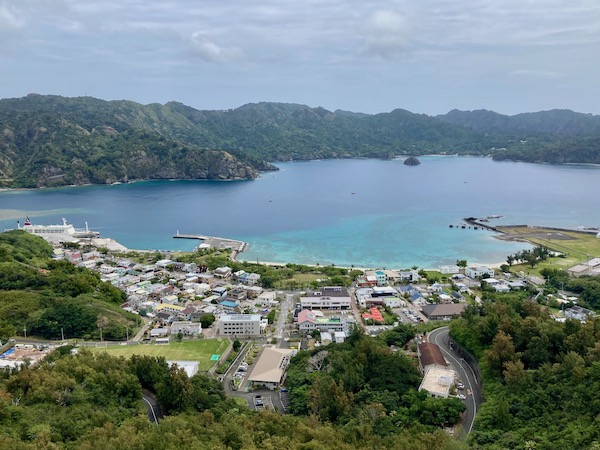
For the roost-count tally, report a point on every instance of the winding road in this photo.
(465, 372)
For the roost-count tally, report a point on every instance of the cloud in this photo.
(211, 52)
(8, 19)
(386, 34)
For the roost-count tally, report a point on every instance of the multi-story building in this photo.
(240, 325)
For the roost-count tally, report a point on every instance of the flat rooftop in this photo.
(240, 317)
(437, 381)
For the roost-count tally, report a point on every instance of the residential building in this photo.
(223, 272)
(579, 313)
(479, 271)
(239, 325)
(230, 306)
(449, 269)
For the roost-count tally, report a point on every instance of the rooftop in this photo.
(437, 381)
(240, 317)
(431, 354)
(270, 366)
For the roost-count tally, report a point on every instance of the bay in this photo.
(369, 213)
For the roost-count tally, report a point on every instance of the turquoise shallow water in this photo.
(346, 212)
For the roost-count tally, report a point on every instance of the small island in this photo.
(412, 161)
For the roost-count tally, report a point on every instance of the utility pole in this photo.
(62, 334)
(24, 331)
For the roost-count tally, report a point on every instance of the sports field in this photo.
(200, 350)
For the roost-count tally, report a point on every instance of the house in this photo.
(579, 313)
(339, 337)
(381, 278)
(443, 311)
(159, 332)
(249, 278)
(239, 325)
(374, 314)
(230, 306)
(237, 295)
(479, 271)
(449, 269)
(409, 275)
(270, 367)
(223, 272)
(326, 338)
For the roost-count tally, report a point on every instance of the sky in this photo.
(426, 56)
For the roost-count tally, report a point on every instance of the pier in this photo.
(236, 247)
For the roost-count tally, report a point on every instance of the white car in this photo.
(461, 397)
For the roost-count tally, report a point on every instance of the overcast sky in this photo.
(427, 56)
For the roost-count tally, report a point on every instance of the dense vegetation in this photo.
(541, 377)
(94, 401)
(587, 288)
(52, 140)
(363, 384)
(51, 298)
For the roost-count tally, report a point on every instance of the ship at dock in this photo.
(65, 230)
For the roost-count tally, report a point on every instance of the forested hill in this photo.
(52, 140)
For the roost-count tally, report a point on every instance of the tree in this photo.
(236, 345)
(461, 263)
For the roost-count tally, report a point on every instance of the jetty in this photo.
(236, 247)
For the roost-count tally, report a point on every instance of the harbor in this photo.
(219, 243)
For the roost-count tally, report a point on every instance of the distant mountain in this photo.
(50, 140)
(556, 121)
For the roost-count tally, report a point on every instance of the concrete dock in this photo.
(216, 242)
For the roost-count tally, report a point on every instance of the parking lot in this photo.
(263, 402)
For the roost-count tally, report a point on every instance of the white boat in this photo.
(57, 230)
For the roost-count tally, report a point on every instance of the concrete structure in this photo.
(240, 325)
(326, 338)
(437, 381)
(187, 328)
(270, 367)
(450, 269)
(591, 267)
(322, 302)
(479, 271)
(339, 337)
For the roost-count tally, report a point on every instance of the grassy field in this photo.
(198, 350)
(300, 280)
(576, 246)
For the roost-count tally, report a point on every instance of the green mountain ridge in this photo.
(48, 140)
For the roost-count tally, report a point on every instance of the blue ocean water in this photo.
(346, 212)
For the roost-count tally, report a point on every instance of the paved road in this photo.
(154, 411)
(286, 305)
(465, 373)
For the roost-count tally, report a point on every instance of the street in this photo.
(465, 373)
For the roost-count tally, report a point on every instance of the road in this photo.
(465, 373)
(154, 411)
(286, 305)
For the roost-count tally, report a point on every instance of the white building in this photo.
(270, 367)
(240, 325)
(479, 271)
(325, 302)
(449, 269)
(187, 328)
